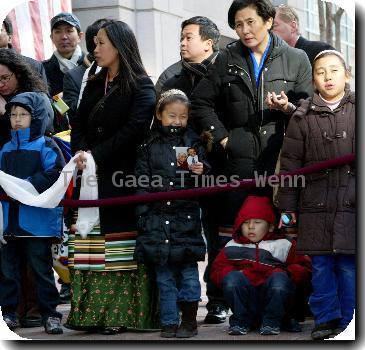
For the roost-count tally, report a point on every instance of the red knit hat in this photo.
(254, 208)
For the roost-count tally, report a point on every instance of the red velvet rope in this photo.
(201, 191)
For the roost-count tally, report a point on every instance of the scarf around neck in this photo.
(67, 64)
(200, 69)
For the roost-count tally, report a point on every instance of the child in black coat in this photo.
(170, 233)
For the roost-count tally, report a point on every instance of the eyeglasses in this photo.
(20, 115)
(5, 78)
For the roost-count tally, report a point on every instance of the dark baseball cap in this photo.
(66, 17)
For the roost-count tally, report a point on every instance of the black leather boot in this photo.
(188, 327)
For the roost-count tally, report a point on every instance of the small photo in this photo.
(182, 158)
(192, 156)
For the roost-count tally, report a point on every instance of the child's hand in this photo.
(197, 168)
(293, 220)
(279, 102)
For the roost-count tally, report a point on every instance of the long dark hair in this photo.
(28, 80)
(130, 62)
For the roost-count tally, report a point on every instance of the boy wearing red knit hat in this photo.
(252, 269)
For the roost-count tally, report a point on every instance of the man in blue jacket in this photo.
(29, 231)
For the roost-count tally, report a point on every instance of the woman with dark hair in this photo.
(229, 104)
(16, 76)
(110, 291)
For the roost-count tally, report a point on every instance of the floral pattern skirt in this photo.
(113, 299)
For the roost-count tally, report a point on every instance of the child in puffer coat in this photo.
(29, 231)
(257, 270)
(170, 234)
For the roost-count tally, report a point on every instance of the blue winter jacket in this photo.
(36, 158)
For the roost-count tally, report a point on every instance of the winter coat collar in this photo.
(20, 137)
(170, 132)
(315, 103)
(199, 69)
(237, 51)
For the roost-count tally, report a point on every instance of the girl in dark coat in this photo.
(323, 128)
(113, 116)
(170, 234)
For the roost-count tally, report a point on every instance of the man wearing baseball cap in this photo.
(66, 35)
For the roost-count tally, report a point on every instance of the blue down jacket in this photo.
(36, 158)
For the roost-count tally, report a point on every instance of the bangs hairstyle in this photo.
(171, 96)
(264, 8)
(130, 63)
(326, 53)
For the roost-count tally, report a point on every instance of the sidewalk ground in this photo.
(207, 332)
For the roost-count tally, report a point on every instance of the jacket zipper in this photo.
(18, 141)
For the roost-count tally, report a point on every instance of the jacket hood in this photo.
(39, 106)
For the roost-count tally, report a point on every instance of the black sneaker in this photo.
(237, 330)
(324, 330)
(11, 322)
(53, 326)
(169, 331)
(216, 314)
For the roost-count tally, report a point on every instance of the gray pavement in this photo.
(206, 332)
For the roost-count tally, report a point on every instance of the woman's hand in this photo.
(80, 160)
(2, 105)
(197, 168)
(279, 102)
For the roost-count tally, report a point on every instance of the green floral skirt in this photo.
(113, 299)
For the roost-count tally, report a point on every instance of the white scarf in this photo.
(24, 192)
(67, 64)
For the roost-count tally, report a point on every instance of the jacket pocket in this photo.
(349, 198)
(314, 196)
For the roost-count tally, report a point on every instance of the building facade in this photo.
(156, 24)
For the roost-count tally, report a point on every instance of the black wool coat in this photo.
(227, 102)
(169, 231)
(112, 135)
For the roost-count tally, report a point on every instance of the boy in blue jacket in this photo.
(29, 231)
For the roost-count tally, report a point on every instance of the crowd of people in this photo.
(269, 101)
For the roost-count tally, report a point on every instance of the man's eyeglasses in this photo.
(5, 78)
(20, 115)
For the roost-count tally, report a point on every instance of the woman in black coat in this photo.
(113, 116)
(229, 102)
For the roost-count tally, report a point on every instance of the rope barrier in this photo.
(200, 191)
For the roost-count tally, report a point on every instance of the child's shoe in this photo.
(188, 327)
(53, 326)
(269, 330)
(11, 322)
(168, 331)
(237, 330)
